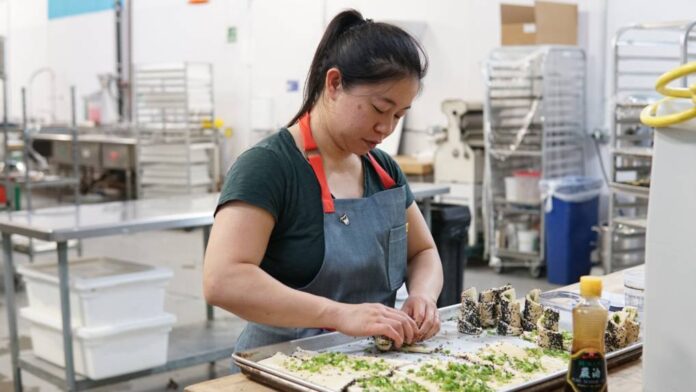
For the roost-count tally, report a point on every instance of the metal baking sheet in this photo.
(448, 339)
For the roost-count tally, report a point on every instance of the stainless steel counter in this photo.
(96, 220)
(60, 224)
(424, 192)
(97, 151)
(90, 138)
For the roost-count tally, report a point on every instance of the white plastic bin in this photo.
(103, 291)
(523, 187)
(634, 289)
(101, 352)
(528, 241)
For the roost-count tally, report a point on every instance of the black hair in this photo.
(364, 52)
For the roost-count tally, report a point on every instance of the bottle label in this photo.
(587, 371)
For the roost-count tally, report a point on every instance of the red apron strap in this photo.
(326, 199)
(387, 181)
(307, 137)
(312, 153)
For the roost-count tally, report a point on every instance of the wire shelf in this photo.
(641, 53)
(534, 120)
(177, 152)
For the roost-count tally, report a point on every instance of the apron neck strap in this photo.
(307, 139)
(311, 151)
(387, 181)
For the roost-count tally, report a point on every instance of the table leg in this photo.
(65, 312)
(11, 309)
(79, 248)
(212, 373)
(209, 311)
(129, 187)
(30, 253)
(427, 211)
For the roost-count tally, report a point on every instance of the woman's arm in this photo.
(424, 279)
(233, 280)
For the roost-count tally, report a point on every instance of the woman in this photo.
(315, 229)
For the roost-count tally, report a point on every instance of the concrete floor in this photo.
(182, 252)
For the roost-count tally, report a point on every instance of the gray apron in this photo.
(364, 250)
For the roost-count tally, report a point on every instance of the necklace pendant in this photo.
(344, 219)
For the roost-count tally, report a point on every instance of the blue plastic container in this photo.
(572, 209)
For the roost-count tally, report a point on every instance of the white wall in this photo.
(275, 41)
(284, 38)
(25, 45)
(457, 37)
(166, 31)
(77, 58)
(75, 50)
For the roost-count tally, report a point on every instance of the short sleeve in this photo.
(256, 178)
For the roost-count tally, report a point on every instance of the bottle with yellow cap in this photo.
(587, 370)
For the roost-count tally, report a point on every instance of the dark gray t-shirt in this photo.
(274, 175)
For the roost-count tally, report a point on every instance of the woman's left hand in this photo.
(423, 310)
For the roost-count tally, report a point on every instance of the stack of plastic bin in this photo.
(117, 315)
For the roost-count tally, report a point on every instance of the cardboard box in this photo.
(411, 166)
(543, 23)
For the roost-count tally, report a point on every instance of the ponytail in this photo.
(364, 52)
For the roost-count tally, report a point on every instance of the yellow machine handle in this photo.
(648, 115)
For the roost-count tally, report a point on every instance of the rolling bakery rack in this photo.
(641, 53)
(178, 146)
(534, 125)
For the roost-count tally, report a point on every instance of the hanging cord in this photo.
(595, 142)
(649, 114)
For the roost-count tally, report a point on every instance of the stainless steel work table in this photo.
(86, 138)
(623, 378)
(189, 345)
(425, 192)
(116, 144)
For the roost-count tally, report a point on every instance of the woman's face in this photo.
(362, 116)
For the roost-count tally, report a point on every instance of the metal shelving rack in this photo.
(641, 53)
(32, 180)
(189, 345)
(534, 120)
(178, 148)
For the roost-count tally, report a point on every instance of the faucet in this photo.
(52, 93)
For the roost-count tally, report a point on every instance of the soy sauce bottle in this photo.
(587, 371)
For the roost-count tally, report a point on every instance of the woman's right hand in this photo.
(374, 319)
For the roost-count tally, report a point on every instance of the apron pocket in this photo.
(396, 263)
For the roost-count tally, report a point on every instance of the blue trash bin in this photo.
(572, 209)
